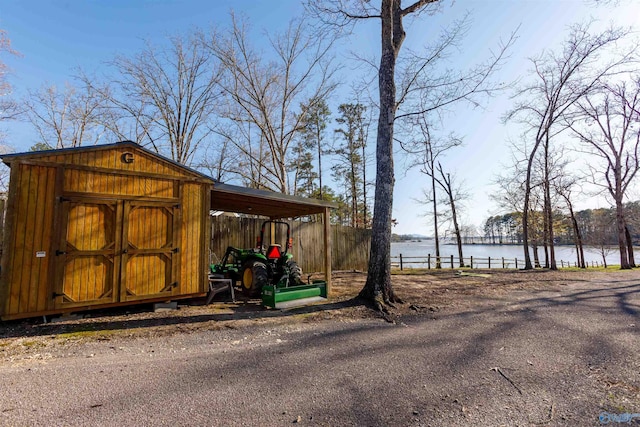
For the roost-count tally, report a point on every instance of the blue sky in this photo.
(55, 37)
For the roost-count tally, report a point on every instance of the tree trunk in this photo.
(545, 237)
(545, 247)
(364, 186)
(320, 166)
(435, 211)
(354, 197)
(622, 241)
(536, 258)
(377, 288)
(578, 237)
(525, 214)
(629, 240)
(456, 229)
(548, 208)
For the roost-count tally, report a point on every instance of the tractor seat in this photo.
(274, 252)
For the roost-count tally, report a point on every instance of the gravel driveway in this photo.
(567, 354)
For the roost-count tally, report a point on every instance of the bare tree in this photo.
(610, 131)
(251, 151)
(170, 94)
(421, 90)
(470, 234)
(454, 195)
(124, 119)
(9, 108)
(510, 183)
(219, 160)
(561, 79)
(510, 197)
(565, 187)
(65, 118)
(603, 222)
(426, 152)
(264, 93)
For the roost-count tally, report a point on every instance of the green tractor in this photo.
(270, 272)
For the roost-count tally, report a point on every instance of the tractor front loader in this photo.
(270, 271)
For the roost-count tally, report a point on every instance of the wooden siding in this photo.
(112, 159)
(28, 231)
(350, 246)
(105, 232)
(111, 183)
(194, 253)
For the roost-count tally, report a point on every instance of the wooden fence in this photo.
(430, 261)
(350, 246)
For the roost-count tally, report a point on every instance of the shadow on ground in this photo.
(144, 317)
(528, 299)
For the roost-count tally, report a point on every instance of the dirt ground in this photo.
(421, 291)
(473, 348)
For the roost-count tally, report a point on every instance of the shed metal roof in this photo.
(224, 197)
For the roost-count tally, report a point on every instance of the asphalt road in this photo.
(527, 358)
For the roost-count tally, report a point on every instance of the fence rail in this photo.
(431, 261)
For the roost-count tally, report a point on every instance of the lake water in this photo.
(496, 252)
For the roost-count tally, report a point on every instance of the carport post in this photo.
(327, 249)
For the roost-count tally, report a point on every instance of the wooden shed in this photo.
(116, 224)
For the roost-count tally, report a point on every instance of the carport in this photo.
(233, 198)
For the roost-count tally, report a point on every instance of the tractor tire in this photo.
(254, 277)
(295, 273)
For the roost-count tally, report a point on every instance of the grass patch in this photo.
(76, 335)
(443, 270)
(610, 269)
(410, 272)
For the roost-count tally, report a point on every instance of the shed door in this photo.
(113, 251)
(87, 254)
(149, 255)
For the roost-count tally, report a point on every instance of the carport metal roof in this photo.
(233, 198)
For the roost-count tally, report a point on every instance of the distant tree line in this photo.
(403, 237)
(596, 230)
